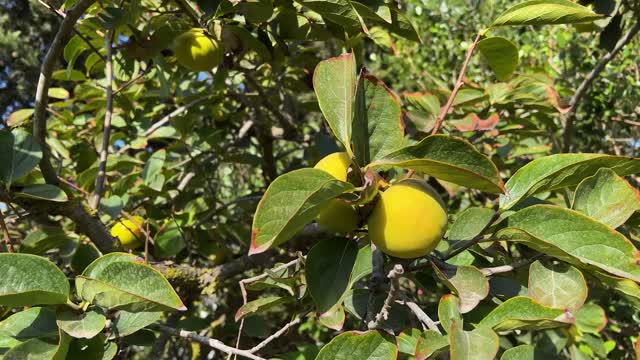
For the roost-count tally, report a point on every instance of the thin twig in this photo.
(5, 232)
(73, 186)
(214, 343)
(458, 85)
(42, 97)
(377, 275)
(586, 84)
(422, 316)
(394, 288)
(106, 135)
(278, 333)
(133, 80)
(507, 268)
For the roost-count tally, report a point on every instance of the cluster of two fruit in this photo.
(408, 219)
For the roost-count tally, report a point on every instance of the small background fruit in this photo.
(197, 51)
(128, 232)
(408, 220)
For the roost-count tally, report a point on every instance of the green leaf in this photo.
(94, 348)
(58, 93)
(522, 352)
(291, 201)
(260, 305)
(34, 349)
(43, 192)
(378, 128)
(169, 242)
(557, 285)
(523, 313)
(340, 12)
(479, 344)
(126, 285)
(448, 311)
(591, 318)
(407, 341)
(73, 75)
(429, 343)
(84, 325)
(39, 241)
(372, 345)
(607, 198)
(328, 269)
(362, 266)
(126, 323)
(152, 176)
(546, 12)
(31, 323)
(628, 288)
(334, 82)
(19, 154)
(450, 159)
(467, 282)
(501, 54)
(333, 318)
(552, 230)
(470, 223)
(19, 116)
(45, 283)
(561, 170)
(469, 96)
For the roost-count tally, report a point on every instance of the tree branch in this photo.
(278, 333)
(42, 97)
(377, 275)
(422, 316)
(458, 85)
(394, 277)
(106, 135)
(214, 343)
(586, 84)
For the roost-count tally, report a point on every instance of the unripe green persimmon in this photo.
(338, 216)
(128, 232)
(197, 51)
(408, 221)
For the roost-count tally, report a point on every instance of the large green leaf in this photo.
(340, 12)
(31, 280)
(479, 344)
(520, 313)
(328, 269)
(557, 285)
(501, 55)
(628, 288)
(449, 311)
(591, 318)
(467, 282)
(429, 343)
(35, 349)
(450, 159)
(19, 154)
(31, 323)
(378, 128)
(542, 12)
(371, 345)
(152, 174)
(561, 170)
(607, 198)
(126, 323)
(127, 285)
(291, 201)
(43, 192)
(470, 223)
(41, 240)
(334, 82)
(82, 325)
(574, 238)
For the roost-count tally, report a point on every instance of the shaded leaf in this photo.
(328, 269)
(334, 82)
(430, 343)
(85, 325)
(607, 198)
(501, 54)
(19, 154)
(372, 345)
(448, 311)
(522, 352)
(46, 284)
(378, 128)
(520, 313)
(126, 323)
(291, 201)
(479, 344)
(467, 282)
(340, 12)
(447, 158)
(561, 170)
(407, 341)
(334, 318)
(552, 230)
(557, 285)
(545, 12)
(41, 240)
(259, 305)
(30, 323)
(43, 192)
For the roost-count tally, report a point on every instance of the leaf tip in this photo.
(254, 248)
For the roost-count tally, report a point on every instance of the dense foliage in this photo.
(157, 205)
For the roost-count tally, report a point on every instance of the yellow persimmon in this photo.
(408, 221)
(128, 232)
(338, 216)
(197, 50)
